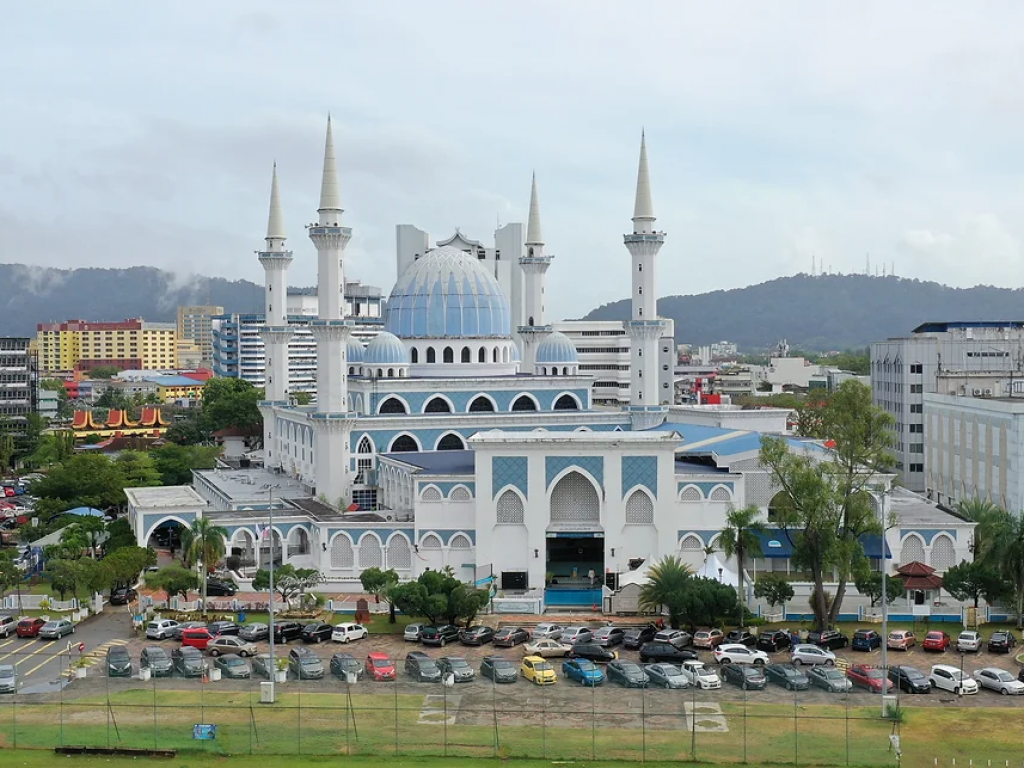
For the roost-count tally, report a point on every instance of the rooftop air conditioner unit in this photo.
(976, 392)
(988, 392)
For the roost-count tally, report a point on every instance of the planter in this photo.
(144, 673)
(76, 617)
(214, 674)
(80, 673)
(280, 675)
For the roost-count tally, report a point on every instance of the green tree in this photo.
(379, 584)
(869, 584)
(739, 538)
(302, 398)
(175, 462)
(667, 583)
(139, 469)
(7, 446)
(10, 575)
(174, 580)
(973, 581)
(773, 588)
(85, 533)
(127, 563)
(206, 545)
(113, 399)
(63, 575)
(93, 575)
(440, 597)
(119, 536)
(231, 403)
(986, 515)
(1005, 548)
(191, 430)
(83, 480)
(705, 602)
(104, 372)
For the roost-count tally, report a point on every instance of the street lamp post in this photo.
(270, 604)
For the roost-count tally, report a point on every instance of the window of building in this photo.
(919, 428)
(916, 368)
(917, 447)
(917, 467)
(917, 407)
(916, 389)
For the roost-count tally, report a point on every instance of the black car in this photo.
(508, 637)
(316, 633)
(439, 635)
(287, 630)
(176, 632)
(788, 676)
(344, 664)
(188, 661)
(627, 674)
(909, 679)
(741, 637)
(305, 664)
(498, 669)
(119, 662)
(745, 676)
(773, 640)
(422, 668)
(224, 628)
(477, 635)
(637, 636)
(457, 667)
(828, 638)
(156, 660)
(219, 588)
(593, 652)
(1001, 642)
(122, 596)
(665, 652)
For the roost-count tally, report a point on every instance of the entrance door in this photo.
(571, 560)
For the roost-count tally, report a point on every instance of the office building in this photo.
(79, 346)
(195, 324)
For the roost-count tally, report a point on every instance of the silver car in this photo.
(968, 641)
(8, 679)
(548, 631)
(413, 633)
(999, 680)
(572, 635)
(676, 637)
(666, 676)
(52, 630)
(812, 655)
(228, 644)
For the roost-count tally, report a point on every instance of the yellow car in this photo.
(538, 670)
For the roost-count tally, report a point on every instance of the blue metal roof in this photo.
(175, 381)
(703, 440)
(776, 544)
(438, 462)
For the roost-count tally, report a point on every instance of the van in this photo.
(8, 625)
(196, 638)
(160, 629)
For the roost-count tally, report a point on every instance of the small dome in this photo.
(447, 294)
(557, 348)
(354, 351)
(385, 349)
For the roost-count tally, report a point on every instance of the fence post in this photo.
(396, 719)
(643, 725)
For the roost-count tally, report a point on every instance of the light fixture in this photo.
(416, 548)
(719, 574)
(613, 551)
(324, 545)
(536, 553)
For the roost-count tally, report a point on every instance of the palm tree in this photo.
(1006, 549)
(986, 515)
(207, 543)
(738, 539)
(667, 582)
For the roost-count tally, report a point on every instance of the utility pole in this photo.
(270, 604)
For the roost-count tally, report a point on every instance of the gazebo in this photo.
(920, 580)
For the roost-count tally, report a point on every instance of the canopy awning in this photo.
(85, 512)
(775, 544)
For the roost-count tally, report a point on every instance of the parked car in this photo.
(608, 637)
(968, 641)
(739, 654)
(773, 640)
(741, 637)
(936, 641)
(811, 654)
(223, 628)
(950, 678)
(54, 630)
(676, 637)
(160, 629)
(305, 664)
(909, 679)
(547, 648)
(708, 638)
(232, 666)
(439, 635)
(700, 676)
(196, 638)
(156, 660)
(666, 676)
(188, 662)
(573, 635)
(900, 640)
(122, 595)
(178, 631)
(583, 671)
(866, 640)
(832, 639)
(379, 666)
(254, 633)
(349, 631)
(507, 637)
(8, 679)
(627, 674)
(744, 676)
(220, 588)
(477, 635)
(498, 669)
(667, 652)
(8, 626)
(538, 671)
(788, 676)
(413, 633)
(548, 630)
(636, 636)
(422, 668)
(829, 678)
(222, 645)
(865, 676)
(261, 666)
(593, 652)
(287, 630)
(316, 632)
(345, 664)
(119, 661)
(1002, 642)
(456, 667)
(29, 627)
(999, 680)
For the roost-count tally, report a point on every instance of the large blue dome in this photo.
(447, 294)
(557, 348)
(385, 349)
(353, 351)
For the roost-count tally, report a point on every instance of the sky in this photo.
(144, 133)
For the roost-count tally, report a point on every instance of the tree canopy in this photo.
(174, 580)
(229, 402)
(289, 582)
(83, 480)
(440, 597)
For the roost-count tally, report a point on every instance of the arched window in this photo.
(431, 357)
(460, 541)
(639, 509)
(391, 372)
(480, 405)
(370, 553)
(466, 355)
(404, 444)
(574, 500)
(524, 403)
(721, 493)
(451, 442)
(912, 550)
(392, 405)
(509, 510)
(691, 493)
(399, 553)
(943, 553)
(449, 355)
(566, 403)
(494, 355)
(780, 503)
(460, 494)
(430, 541)
(414, 356)
(432, 493)
(351, 370)
(691, 543)
(365, 446)
(342, 555)
(531, 320)
(437, 405)
(481, 355)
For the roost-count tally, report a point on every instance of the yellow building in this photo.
(195, 324)
(170, 388)
(79, 345)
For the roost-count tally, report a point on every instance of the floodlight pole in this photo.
(270, 604)
(885, 605)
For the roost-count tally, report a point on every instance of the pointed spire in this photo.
(275, 222)
(643, 210)
(330, 198)
(533, 231)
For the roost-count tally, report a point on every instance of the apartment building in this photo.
(195, 325)
(80, 346)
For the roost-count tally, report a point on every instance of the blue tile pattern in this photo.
(640, 470)
(553, 466)
(149, 522)
(509, 470)
(928, 533)
(705, 487)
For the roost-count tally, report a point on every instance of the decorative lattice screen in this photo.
(639, 509)
(574, 500)
(510, 509)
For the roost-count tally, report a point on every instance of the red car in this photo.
(871, 678)
(936, 641)
(29, 627)
(380, 667)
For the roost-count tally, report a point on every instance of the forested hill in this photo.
(824, 312)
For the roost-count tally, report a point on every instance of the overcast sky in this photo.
(144, 133)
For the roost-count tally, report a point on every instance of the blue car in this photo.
(866, 640)
(584, 671)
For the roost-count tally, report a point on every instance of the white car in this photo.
(999, 680)
(547, 631)
(950, 678)
(734, 653)
(699, 676)
(811, 654)
(347, 632)
(413, 632)
(968, 641)
(573, 635)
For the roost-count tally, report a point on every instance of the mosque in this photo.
(455, 440)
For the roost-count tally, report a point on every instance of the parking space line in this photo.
(9, 641)
(44, 647)
(15, 651)
(44, 662)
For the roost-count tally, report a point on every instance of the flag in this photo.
(261, 531)
(352, 508)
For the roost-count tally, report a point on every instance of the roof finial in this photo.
(275, 222)
(643, 210)
(330, 198)
(533, 231)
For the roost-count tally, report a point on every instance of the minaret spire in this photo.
(643, 209)
(275, 222)
(534, 236)
(330, 209)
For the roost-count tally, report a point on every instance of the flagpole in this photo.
(270, 604)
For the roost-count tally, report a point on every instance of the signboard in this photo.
(204, 731)
(575, 534)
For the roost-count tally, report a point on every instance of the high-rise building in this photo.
(80, 346)
(18, 384)
(195, 324)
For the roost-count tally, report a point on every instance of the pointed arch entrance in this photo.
(575, 542)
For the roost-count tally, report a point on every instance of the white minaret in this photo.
(644, 328)
(534, 265)
(332, 420)
(276, 333)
